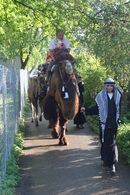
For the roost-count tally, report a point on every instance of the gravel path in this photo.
(50, 169)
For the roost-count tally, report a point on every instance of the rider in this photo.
(57, 44)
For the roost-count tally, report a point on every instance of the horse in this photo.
(62, 102)
(43, 91)
(36, 94)
(33, 95)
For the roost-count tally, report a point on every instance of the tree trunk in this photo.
(24, 62)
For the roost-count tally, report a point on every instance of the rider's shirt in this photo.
(59, 44)
(56, 45)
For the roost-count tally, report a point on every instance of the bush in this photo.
(123, 141)
(93, 122)
(93, 74)
(94, 81)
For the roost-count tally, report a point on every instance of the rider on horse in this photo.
(56, 46)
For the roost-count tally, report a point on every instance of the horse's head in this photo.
(66, 68)
(65, 63)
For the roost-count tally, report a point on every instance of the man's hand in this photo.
(51, 54)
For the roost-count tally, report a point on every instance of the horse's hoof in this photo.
(61, 143)
(66, 143)
(40, 118)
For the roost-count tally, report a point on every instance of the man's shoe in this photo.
(81, 126)
(113, 169)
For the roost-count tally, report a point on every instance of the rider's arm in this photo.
(51, 48)
(51, 54)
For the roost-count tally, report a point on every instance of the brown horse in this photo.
(36, 93)
(43, 91)
(33, 95)
(62, 102)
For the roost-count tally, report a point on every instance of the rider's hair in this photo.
(59, 30)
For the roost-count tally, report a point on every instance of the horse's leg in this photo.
(31, 108)
(36, 113)
(40, 105)
(35, 108)
(40, 117)
(32, 111)
(51, 113)
(63, 124)
(49, 125)
(55, 128)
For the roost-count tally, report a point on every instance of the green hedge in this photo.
(93, 122)
(123, 141)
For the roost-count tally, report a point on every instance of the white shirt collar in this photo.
(110, 95)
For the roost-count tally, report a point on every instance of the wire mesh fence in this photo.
(13, 90)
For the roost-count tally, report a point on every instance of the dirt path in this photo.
(50, 169)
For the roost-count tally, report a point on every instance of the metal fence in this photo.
(13, 90)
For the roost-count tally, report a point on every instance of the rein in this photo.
(63, 80)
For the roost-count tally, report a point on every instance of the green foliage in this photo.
(102, 27)
(93, 74)
(123, 141)
(93, 122)
(94, 81)
(111, 42)
(12, 177)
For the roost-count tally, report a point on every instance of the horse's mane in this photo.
(64, 56)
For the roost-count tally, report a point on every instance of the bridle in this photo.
(63, 82)
(65, 85)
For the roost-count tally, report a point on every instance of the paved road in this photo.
(50, 169)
